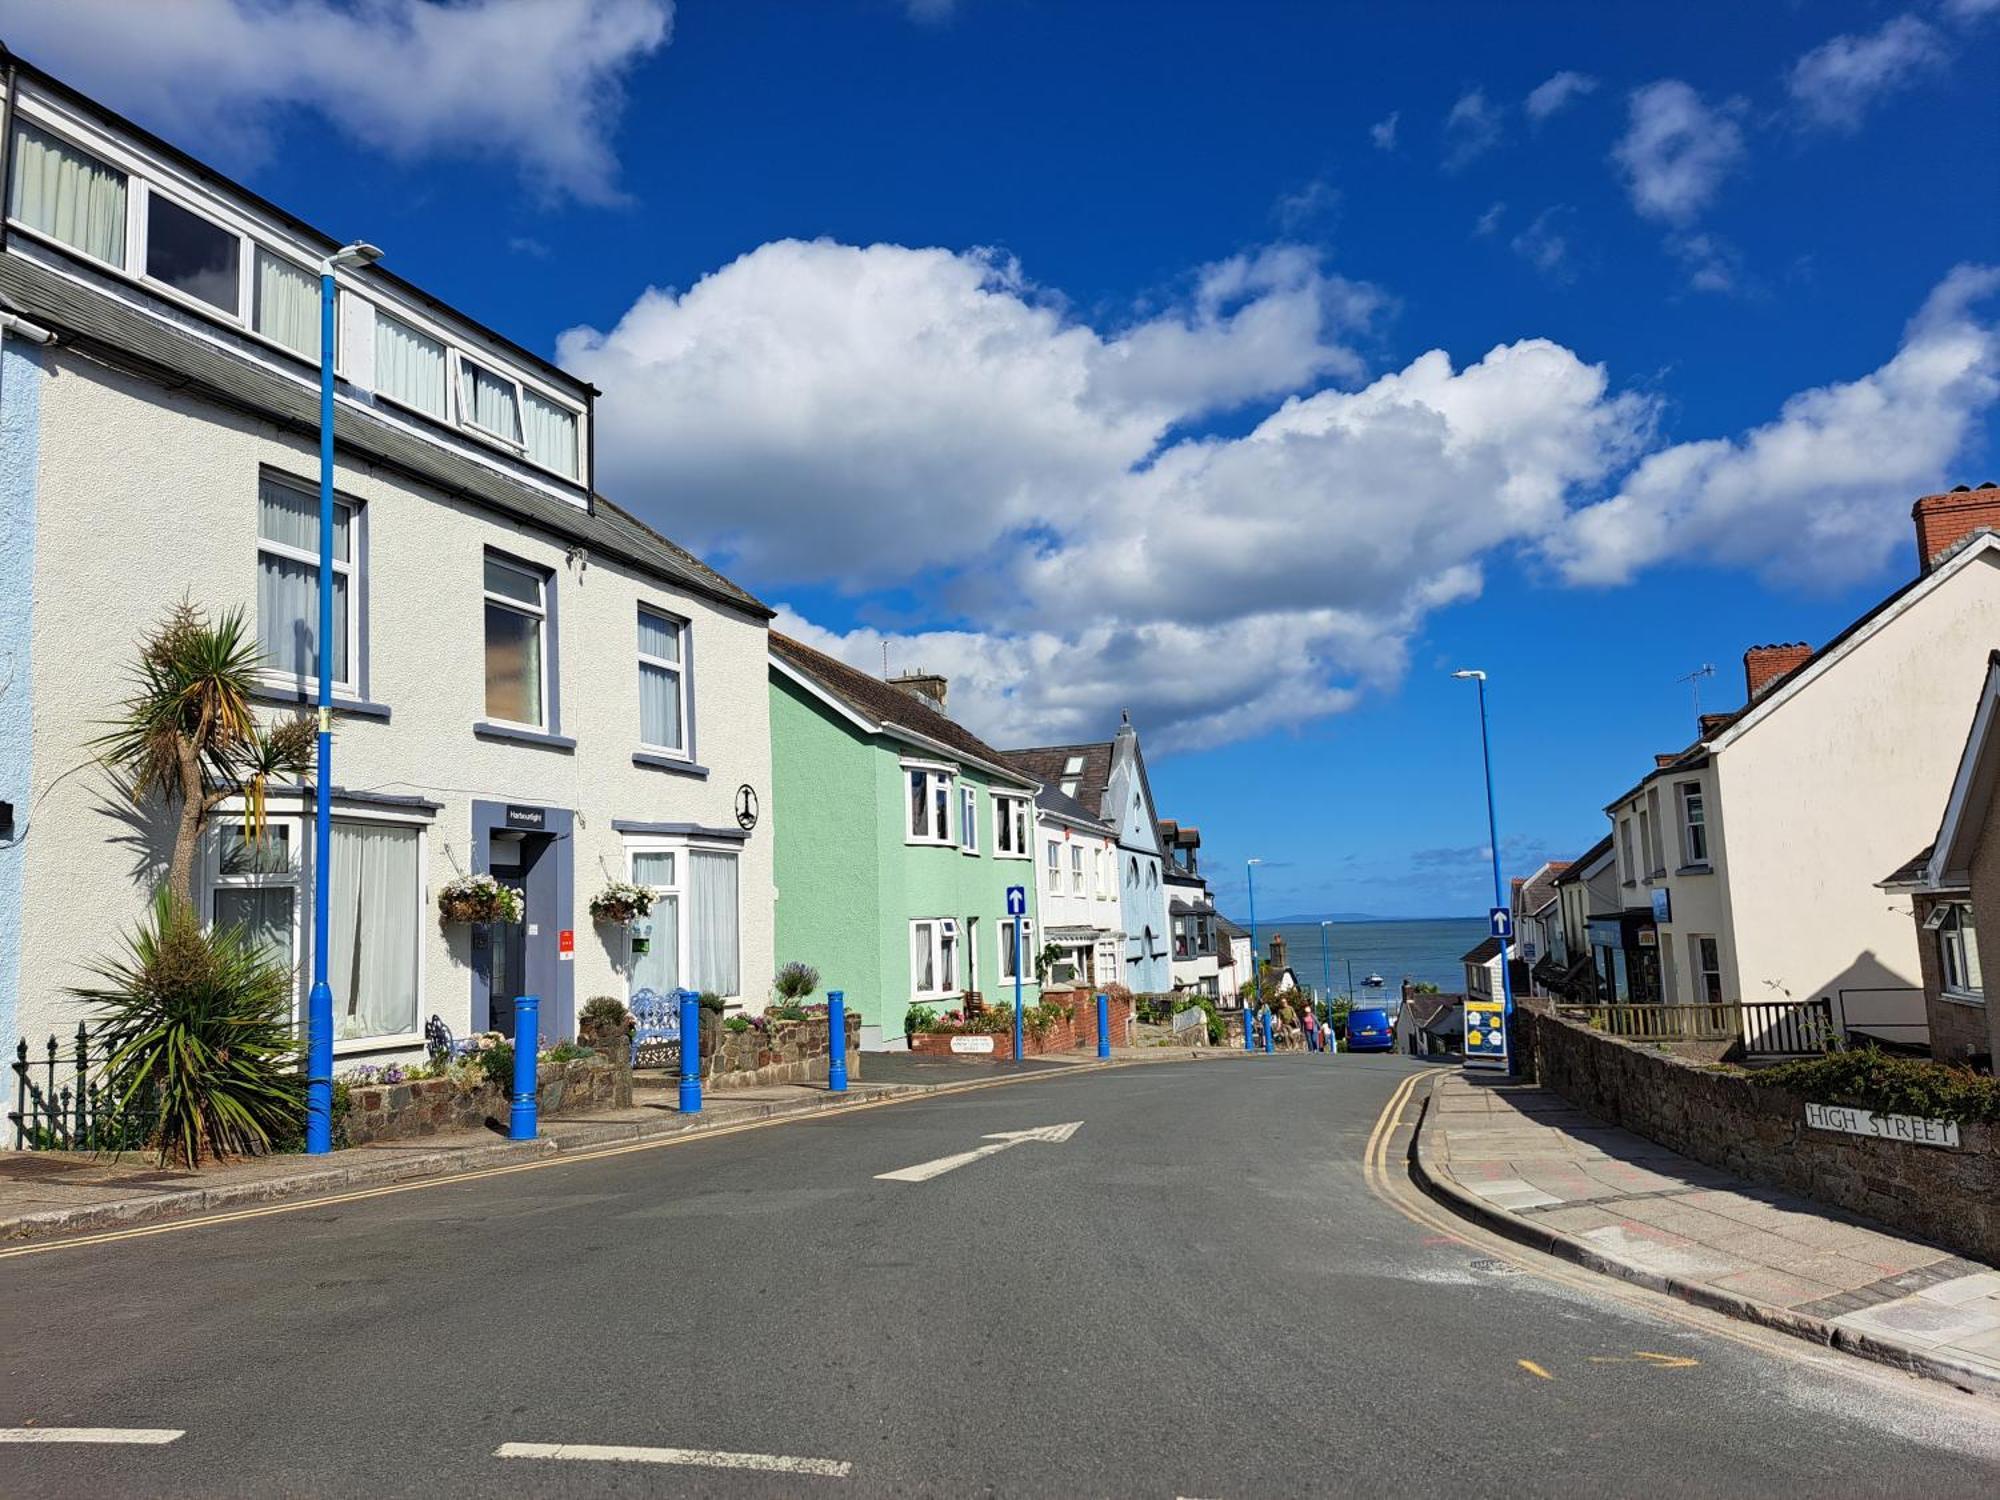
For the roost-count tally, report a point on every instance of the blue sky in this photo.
(1249, 366)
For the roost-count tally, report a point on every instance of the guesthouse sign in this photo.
(972, 1044)
(1913, 1129)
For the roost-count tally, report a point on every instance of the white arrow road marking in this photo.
(149, 1435)
(769, 1463)
(1002, 1139)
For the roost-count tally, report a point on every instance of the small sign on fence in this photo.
(1914, 1129)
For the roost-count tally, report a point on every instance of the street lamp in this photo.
(1493, 844)
(1250, 875)
(319, 1007)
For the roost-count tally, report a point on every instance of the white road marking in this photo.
(142, 1435)
(769, 1463)
(925, 1171)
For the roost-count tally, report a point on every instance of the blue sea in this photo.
(1421, 949)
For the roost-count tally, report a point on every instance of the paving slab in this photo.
(1635, 1209)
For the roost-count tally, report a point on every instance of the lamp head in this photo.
(1464, 673)
(359, 253)
(1253, 861)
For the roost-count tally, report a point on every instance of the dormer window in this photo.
(409, 366)
(551, 434)
(489, 402)
(193, 256)
(68, 195)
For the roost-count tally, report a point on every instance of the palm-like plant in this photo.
(197, 1028)
(188, 734)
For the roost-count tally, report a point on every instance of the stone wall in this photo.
(1721, 1118)
(432, 1106)
(1077, 1029)
(786, 1052)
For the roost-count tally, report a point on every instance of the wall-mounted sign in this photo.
(566, 945)
(1648, 938)
(746, 807)
(1914, 1129)
(1663, 907)
(972, 1044)
(535, 818)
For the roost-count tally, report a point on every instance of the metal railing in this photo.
(66, 1103)
(1767, 1028)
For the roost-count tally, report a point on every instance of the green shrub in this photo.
(795, 981)
(919, 1018)
(567, 1051)
(1882, 1083)
(710, 1001)
(736, 1023)
(603, 1016)
(496, 1064)
(197, 1029)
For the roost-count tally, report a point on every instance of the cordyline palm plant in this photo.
(198, 1033)
(187, 733)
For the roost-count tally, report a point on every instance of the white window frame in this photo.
(1052, 870)
(1106, 859)
(968, 818)
(1077, 886)
(486, 596)
(457, 359)
(245, 255)
(1948, 921)
(1012, 815)
(940, 928)
(1005, 932)
(398, 402)
(684, 750)
(297, 816)
(681, 846)
(347, 686)
(936, 778)
(1701, 971)
(1694, 821)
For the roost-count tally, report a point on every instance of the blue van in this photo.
(1370, 1031)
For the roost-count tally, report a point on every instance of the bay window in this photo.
(933, 957)
(929, 805)
(516, 626)
(288, 584)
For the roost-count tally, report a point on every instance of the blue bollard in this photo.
(1103, 1025)
(527, 1042)
(1249, 1027)
(690, 1053)
(836, 1041)
(1266, 1018)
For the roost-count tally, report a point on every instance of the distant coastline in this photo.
(1351, 916)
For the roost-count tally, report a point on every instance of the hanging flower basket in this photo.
(478, 898)
(619, 903)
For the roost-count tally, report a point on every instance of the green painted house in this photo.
(898, 834)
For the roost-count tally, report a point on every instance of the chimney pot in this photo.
(1943, 521)
(930, 687)
(1764, 665)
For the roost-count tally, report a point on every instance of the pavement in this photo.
(1526, 1162)
(62, 1192)
(1135, 1281)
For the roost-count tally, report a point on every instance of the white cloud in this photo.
(1970, 10)
(532, 82)
(1836, 82)
(930, 12)
(1545, 245)
(1315, 201)
(1713, 264)
(1676, 150)
(1489, 222)
(1383, 132)
(1471, 129)
(1818, 496)
(1559, 92)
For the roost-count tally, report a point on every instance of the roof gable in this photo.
(1971, 790)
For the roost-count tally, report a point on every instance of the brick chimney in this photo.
(1277, 951)
(1943, 521)
(931, 687)
(1764, 665)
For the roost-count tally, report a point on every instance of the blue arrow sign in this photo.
(1503, 922)
(1017, 901)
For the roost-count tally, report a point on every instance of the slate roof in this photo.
(96, 324)
(1045, 764)
(1485, 953)
(880, 703)
(1540, 888)
(1051, 800)
(1911, 872)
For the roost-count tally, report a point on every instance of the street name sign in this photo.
(1912, 1129)
(972, 1044)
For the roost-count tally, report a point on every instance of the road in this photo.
(1205, 1290)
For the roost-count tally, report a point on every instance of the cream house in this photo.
(1751, 858)
(528, 681)
(1077, 856)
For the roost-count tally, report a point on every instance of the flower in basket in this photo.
(478, 898)
(620, 902)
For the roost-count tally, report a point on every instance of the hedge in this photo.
(1871, 1079)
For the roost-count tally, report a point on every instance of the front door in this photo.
(510, 955)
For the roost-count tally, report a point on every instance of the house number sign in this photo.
(746, 807)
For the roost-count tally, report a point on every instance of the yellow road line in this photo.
(561, 1159)
(1534, 1369)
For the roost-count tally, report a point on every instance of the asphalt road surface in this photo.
(1205, 1290)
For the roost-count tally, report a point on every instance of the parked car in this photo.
(1370, 1030)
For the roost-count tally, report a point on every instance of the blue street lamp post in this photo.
(1493, 844)
(1250, 875)
(1017, 908)
(319, 1005)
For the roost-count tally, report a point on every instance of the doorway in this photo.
(528, 850)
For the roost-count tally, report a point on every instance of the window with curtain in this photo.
(68, 195)
(373, 892)
(488, 401)
(192, 255)
(659, 968)
(287, 304)
(930, 807)
(288, 583)
(551, 434)
(712, 928)
(409, 366)
(255, 887)
(662, 683)
(516, 617)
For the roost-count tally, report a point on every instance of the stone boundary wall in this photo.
(431, 1106)
(1949, 1197)
(787, 1052)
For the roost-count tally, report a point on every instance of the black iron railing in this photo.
(68, 1103)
